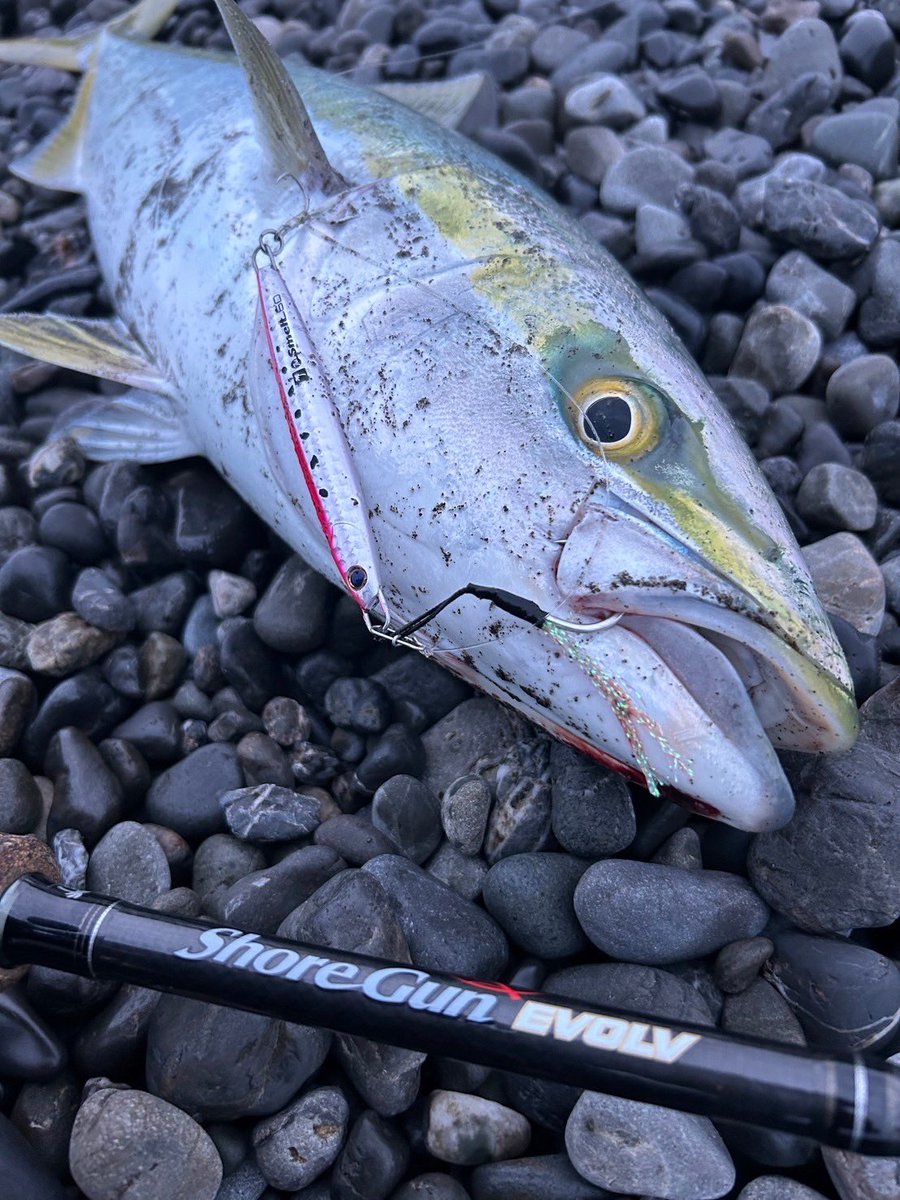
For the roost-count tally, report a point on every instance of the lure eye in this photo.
(618, 418)
(357, 577)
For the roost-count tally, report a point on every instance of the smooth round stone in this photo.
(155, 730)
(21, 805)
(398, 751)
(75, 530)
(66, 643)
(867, 48)
(351, 912)
(468, 1130)
(262, 900)
(373, 1161)
(225, 1064)
(646, 175)
(17, 701)
(801, 284)
(131, 1143)
(862, 393)
(548, 928)
(848, 580)
(358, 704)
(649, 990)
(293, 613)
(185, 797)
(777, 1187)
(591, 150)
(286, 721)
(112, 1043)
(630, 1147)
(691, 93)
(97, 599)
(17, 529)
(738, 964)
(353, 837)
(779, 348)
(462, 872)
(682, 849)
(879, 314)
(407, 812)
(746, 153)
(296, 1145)
(212, 524)
(760, 1011)
(86, 794)
(444, 931)
(25, 1172)
(643, 912)
(410, 677)
(663, 239)
(28, 1048)
(868, 139)
(605, 100)
(846, 996)
(163, 605)
(834, 867)
(267, 813)
(247, 1182)
(230, 594)
(881, 460)
(807, 41)
(34, 583)
(465, 807)
(247, 663)
(129, 863)
(44, 1113)
(817, 218)
(836, 497)
(546, 1177)
(860, 1175)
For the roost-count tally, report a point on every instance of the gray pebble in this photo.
(354, 837)
(779, 348)
(798, 282)
(128, 862)
(592, 813)
(649, 990)
(642, 912)
(739, 963)
(879, 315)
(548, 928)
(862, 393)
(44, 1113)
(663, 239)
(230, 594)
(627, 1146)
(818, 219)
(373, 1161)
(646, 175)
(21, 805)
(186, 796)
(131, 1143)
(746, 153)
(261, 900)
(222, 860)
(868, 139)
(407, 812)
(835, 497)
(807, 41)
(544, 1177)
(99, 601)
(296, 1145)
(777, 1187)
(591, 150)
(70, 852)
(682, 850)
(467, 1130)
(66, 643)
(860, 1176)
(604, 100)
(444, 931)
(286, 721)
(267, 813)
(17, 697)
(759, 1011)
(848, 580)
(462, 872)
(247, 1182)
(465, 807)
(86, 794)
(292, 614)
(112, 1042)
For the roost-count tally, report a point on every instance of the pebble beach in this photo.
(197, 722)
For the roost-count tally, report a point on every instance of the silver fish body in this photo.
(466, 325)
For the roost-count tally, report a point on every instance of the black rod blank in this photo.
(849, 1102)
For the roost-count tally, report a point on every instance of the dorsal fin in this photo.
(283, 124)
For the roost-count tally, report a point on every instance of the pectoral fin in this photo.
(102, 348)
(462, 103)
(137, 425)
(285, 130)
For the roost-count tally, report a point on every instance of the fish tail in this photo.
(75, 53)
(56, 161)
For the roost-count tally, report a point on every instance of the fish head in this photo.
(523, 418)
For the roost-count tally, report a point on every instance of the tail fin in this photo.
(56, 161)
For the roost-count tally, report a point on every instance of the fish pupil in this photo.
(357, 578)
(608, 419)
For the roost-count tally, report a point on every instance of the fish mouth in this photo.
(757, 663)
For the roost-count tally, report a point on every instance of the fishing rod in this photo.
(850, 1102)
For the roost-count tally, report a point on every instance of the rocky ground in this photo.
(162, 653)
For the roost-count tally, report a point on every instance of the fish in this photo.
(491, 397)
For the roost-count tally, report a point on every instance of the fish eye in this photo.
(618, 418)
(357, 577)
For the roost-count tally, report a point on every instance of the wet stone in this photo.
(163, 606)
(86, 794)
(267, 813)
(818, 219)
(34, 583)
(739, 963)
(463, 873)
(44, 1114)
(372, 1162)
(398, 751)
(444, 931)
(21, 806)
(846, 996)
(222, 1063)
(465, 808)
(99, 601)
(296, 1145)
(862, 393)
(212, 524)
(263, 899)
(185, 797)
(798, 282)
(112, 1042)
(247, 662)
(779, 348)
(407, 812)
(293, 613)
(643, 912)
(467, 1130)
(545, 1177)
(760, 1011)
(353, 837)
(29, 1050)
(835, 497)
(128, 862)
(220, 861)
(412, 677)
(847, 580)
(75, 530)
(550, 928)
(126, 1141)
(631, 1147)
(646, 175)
